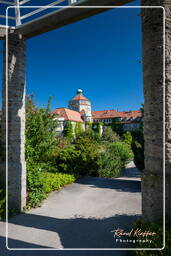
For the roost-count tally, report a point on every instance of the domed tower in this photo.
(81, 104)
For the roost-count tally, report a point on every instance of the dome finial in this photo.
(79, 91)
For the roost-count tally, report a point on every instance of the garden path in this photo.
(81, 215)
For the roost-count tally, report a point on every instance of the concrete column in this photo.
(16, 120)
(152, 44)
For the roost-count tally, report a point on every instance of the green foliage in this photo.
(41, 151)
(138, 149)
(109, 135)
(117, 127)
(123, 151)
(78, 129)
(109, 164)
(113, 158)
(157, 240)
(81, 155)
(68, 130)
(88, 134)
(87, 146)
(2, 202)
(89, 155)
(40, 183)
(40, 132)
(89, 125)
(127, 138)
(67, 160)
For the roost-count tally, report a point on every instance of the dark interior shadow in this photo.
(117, 184)
(79, 232)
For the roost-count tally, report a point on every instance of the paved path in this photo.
(81, 215)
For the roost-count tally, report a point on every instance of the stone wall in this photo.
(152, 41)
(16, 120)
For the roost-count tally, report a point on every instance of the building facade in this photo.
(79, 111)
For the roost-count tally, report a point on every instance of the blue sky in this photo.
(100, 55)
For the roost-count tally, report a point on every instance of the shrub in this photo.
(81, 156)
(127, 138)
(89, 135)
(109, 165)
(157, 240)
(67, 160)
(87, 146)
(109, 135)
(121, 150)
(40, 183)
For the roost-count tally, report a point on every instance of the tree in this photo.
(40, 131)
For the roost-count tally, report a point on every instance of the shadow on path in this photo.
(78, 232)
(118, 184)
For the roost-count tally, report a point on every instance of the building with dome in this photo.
(82, 105)
(79, 111)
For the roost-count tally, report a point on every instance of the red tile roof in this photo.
(113, 113)
(105, 114)
(79, 97)
(128, 114)
(68, 114)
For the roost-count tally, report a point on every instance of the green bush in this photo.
(109, 135)
(87, 144)
(67, 160)
(40, 183)
(157, 240)
(89, 135)
(109, 164)
(127, 138)
(123, 151)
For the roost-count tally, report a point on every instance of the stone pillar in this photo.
(152, 46)
(16, 120)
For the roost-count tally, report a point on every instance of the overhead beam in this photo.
(3, 31)
(65, 16)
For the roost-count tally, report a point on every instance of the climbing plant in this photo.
(68, 130)
(78, 129)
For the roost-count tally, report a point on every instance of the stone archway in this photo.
(152, 189)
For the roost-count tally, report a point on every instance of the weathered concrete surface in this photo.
(3, 31)
(152, 181)
(81, 215)
(66, 16)
(16, 120)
